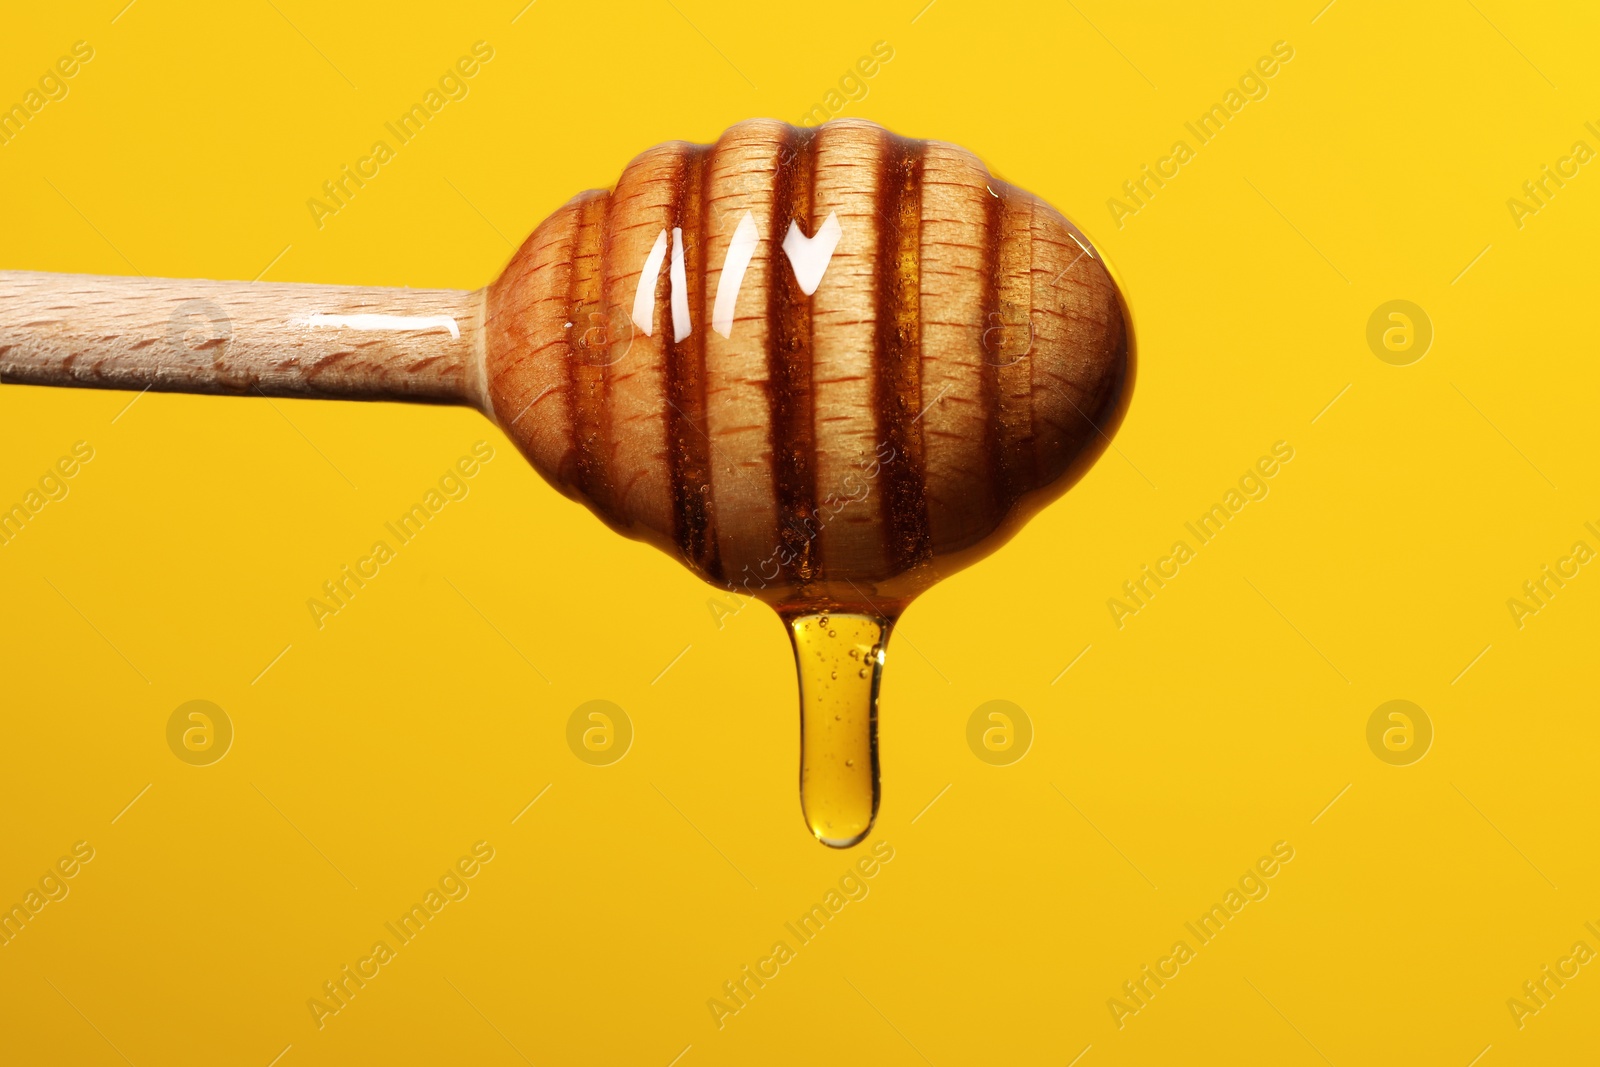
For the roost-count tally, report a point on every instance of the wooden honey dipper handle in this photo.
(323, 341)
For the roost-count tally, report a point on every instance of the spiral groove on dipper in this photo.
(899, 356)
(962, 348)
(788, 359)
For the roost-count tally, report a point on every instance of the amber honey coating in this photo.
(964, 356)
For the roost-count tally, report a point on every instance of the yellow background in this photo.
(1223, 717)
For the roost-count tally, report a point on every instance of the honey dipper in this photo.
(823, 367)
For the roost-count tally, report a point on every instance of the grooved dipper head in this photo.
(823, 366)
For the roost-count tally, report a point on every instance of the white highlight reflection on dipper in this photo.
(681, 327)
(405, 323)
(644, 298)
(809, 256)
(741, 249)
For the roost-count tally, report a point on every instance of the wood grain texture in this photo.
(236, 337)
(738, 368)
(964, 357)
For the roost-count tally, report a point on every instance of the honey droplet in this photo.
(839, 787)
